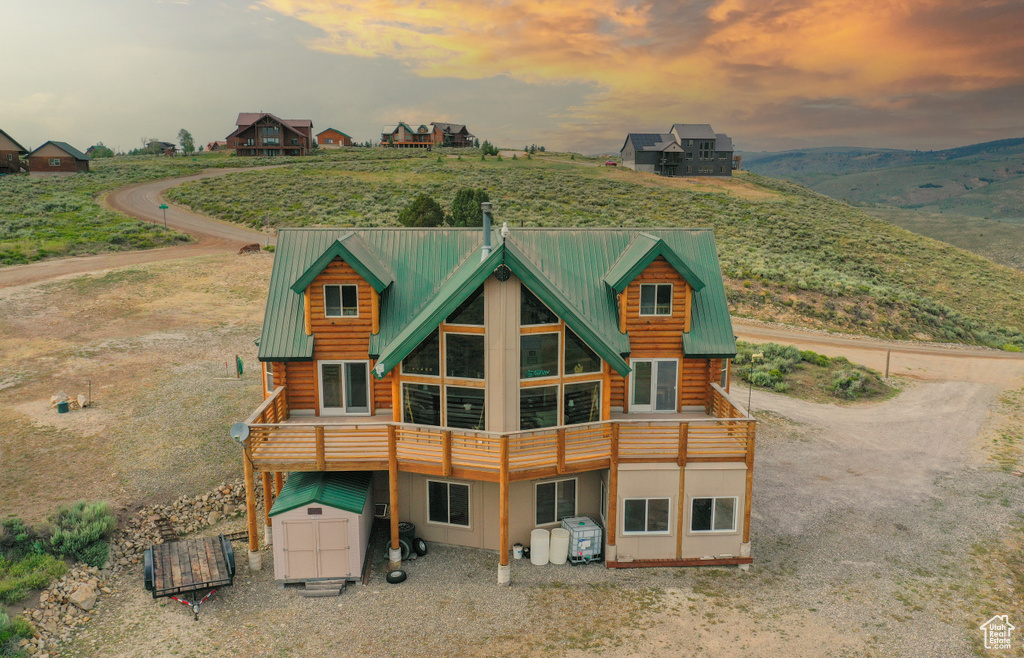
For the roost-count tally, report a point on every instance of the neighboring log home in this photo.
(265, 135)
(10, 155)
(56, 158)
(493, 391)
(437, 134)
(332, 139)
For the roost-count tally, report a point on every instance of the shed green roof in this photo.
(435, 270)
(346, 490)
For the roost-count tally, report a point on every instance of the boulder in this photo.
(84, 596)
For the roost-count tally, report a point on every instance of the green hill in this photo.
(789, 254)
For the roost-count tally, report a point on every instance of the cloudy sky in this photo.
(569, 74)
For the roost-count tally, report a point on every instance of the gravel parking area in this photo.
(866, 524)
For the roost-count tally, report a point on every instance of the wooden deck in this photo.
(278, 442)
(190, 565)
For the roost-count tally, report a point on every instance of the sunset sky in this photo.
(569, 74)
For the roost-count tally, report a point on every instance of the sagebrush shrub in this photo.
(79, 526)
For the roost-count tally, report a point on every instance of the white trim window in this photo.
(654, 385)
(448, 503)
(656, 299)
(554, 500)
(54, 162)
(716, 514)
(344, 388)
(646, 516)
(269, 377)
(341, 300)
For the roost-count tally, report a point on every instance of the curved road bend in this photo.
(142, 201)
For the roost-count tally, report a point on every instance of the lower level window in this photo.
(645, 516)
(448, 503)
(713, 514)
(556, 501)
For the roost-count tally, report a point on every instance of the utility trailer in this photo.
(188, 567)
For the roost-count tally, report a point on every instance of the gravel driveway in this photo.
(864, 522)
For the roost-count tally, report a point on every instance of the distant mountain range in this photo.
(981, 180)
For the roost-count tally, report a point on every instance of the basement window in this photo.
(555, 500)
(713, 514)
(341, 301)
(645, 516)
(448, 503)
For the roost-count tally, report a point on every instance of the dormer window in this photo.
(341, 301)
(656, 299)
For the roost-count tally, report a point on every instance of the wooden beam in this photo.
(374, 311)
(321, 458)
(393, 483)
(689, 308)
(278, 483)
(687, 562)
(268, 497)
(622, 312)
(446, 457)
(606, 393)
(396, 398)
(503, 505)
(750, 482)
(308, 304)
(684, 435)
(561, 451)
(250, 502)
(613, 486)
(728, 374)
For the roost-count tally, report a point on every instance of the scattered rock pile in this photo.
(73, 403)
(64, 606)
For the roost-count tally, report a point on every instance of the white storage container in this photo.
(539, 540)
(585, 540)
(559, 546)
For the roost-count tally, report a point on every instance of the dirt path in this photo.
(142, 201)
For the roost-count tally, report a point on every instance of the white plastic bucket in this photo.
(539, 540)
(517, 551)
(559, 552)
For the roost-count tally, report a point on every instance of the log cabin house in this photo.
(437, 134)
(265, 135)
(332, 139)
(57, 158)
(10, 155)
(495, 390)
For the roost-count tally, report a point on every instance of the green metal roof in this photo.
(341, 490)
(351, 249)
(335, 130)
(67, 148)
(435, 270)
(640, 253)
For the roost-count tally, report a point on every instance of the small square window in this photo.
(555, 501)
(645, 516)
(54, 162)
(656, 299)
(713, 514)
(448, 503)
(341, 301)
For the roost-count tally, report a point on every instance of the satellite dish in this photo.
(239, 432)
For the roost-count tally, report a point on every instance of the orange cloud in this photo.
(656, 62)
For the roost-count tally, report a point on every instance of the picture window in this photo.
(713, 514)
(645, 516)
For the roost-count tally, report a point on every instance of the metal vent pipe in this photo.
(486, 251)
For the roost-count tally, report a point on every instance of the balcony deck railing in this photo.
(273, 445)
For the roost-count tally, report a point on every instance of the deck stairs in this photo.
(323, 587)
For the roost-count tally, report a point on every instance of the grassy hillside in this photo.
(981, 180)
(789, 254)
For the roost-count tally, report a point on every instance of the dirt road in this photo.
(142, 201)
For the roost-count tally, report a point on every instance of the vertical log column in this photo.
(613, 496)
(745, 546)
(255, 559)
(504, 569)
(395, 552)
(684, 435)
(278, 483)
(268, 502)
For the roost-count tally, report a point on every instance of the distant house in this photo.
(10, 154)
(57, 158)
(217, 145)
(437, 134)
(332, 139)
(167, 148)
(263, 134)
(687, 149)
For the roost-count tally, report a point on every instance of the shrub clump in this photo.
(32, 572)
(81, 531)
(421, 213)
(12, 630)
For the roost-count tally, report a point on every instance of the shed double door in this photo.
(316, 549)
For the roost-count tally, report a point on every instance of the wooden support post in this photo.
(268, 498)
(278, 483)
(396, 398)
(613, 487)
(707, 384)
(393, 483)
(622, 312)
(684, 434)
(750, 481)
(308, 304)
(321, 457)
(374, 311)
(503, 505)
(728, 374)
(606, 393)
(689, 309)
(560, 468)
(888, 356)
(446, 455)
(250, 502)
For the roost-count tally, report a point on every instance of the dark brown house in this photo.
(263, 134)
(10, 154)
(57, 158)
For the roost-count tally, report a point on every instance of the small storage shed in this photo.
(321, 525)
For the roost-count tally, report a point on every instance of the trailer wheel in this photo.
(148, 560)
(396, 576)
(419, 546)
(405, 547)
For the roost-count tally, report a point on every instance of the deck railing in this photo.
(277, 446)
